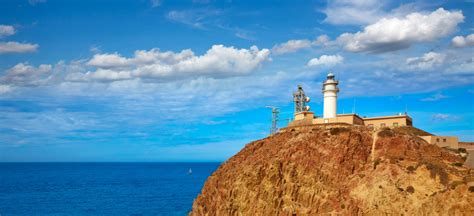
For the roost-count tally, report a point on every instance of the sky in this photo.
(189, 80)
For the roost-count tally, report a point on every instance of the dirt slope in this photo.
(344, 170)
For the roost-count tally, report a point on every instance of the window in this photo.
(395, 124)
(382, 125)
(444, 140)
(326, 120)
(437, 139)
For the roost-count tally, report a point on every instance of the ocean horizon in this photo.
(101, 188)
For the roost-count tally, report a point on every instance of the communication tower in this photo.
(300, 100)
(275, 113)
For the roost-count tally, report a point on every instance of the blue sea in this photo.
(101, 188)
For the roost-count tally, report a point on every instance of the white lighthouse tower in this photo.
(330, 91)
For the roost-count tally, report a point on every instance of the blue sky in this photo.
(189, 80)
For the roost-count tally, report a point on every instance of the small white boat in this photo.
(190, 171)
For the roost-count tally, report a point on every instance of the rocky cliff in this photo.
(339, 170)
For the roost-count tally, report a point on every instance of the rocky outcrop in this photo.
(339, 170)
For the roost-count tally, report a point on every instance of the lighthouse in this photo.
(330, 91)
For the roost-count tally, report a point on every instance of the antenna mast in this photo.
(275, 118)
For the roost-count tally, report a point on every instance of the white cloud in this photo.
(219, 61)
(155, 3)
(435, 97)
(109, 61)
(322, 40)
(25, 74)
(443, 117)
(390, 34)
(326, 60)
(95, 49)
(291, 46)
(461, 67)
(350, 12)
(5, 89)
(428, 61)
(101, 75)
(6, 30)
(34, 2)
(460, 41)
(15, 47)
(196, 18)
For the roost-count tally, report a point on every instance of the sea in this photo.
(101, 188)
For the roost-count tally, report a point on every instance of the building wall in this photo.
(467, 145)
(302, 118)
(394, 121)
(348, 119)
(304, 115)
(442, 141)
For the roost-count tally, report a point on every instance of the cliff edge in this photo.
(339, 170)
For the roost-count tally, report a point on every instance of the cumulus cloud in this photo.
(428, 61)
(101, 75)
(326, 60)
(322, 40)
(219, 61)
(15, 47)
(350, 12)
(390, 34)
(460, 41)
(27, 75)
(6, 30)
(291, 46)
(109, 61)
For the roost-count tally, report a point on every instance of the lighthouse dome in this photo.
(330, 75)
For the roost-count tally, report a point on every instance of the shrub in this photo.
(386, 132)
(411, 169)
(463, 150)
(454, 184)
(376, 162)
(335, 131)
(457, 164)
(410, 189)
(436, 170)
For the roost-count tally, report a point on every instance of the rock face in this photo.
(345, 170)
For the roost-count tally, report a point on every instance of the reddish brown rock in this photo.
(315, 170)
